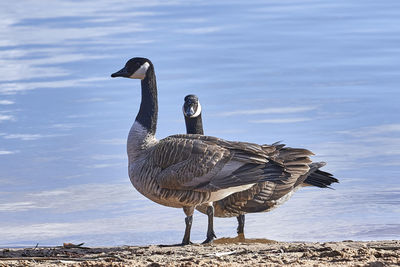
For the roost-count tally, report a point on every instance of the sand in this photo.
(222, 253)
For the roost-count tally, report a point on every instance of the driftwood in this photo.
(70, 245)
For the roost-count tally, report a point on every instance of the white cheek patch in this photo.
(198, 111)
(140, 73)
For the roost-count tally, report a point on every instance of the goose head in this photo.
(135, 68)
(191, 107)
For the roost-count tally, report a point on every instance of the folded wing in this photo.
(204, 163)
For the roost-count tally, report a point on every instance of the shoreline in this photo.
(221, 253)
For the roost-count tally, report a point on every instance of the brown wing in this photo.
(208, 164)
(186, 163)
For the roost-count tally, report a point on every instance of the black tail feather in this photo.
(321, 179)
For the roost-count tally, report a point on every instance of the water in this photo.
(314, 74)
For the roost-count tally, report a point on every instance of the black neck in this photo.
(147, 115)
(194, 125)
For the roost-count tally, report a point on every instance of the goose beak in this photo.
(189, 111)
(120, 73)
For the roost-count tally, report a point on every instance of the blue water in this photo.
(315, 74)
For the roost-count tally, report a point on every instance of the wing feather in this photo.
(205, 163)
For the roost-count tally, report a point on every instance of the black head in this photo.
(135, 68)
(191, 108)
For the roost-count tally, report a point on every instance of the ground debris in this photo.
(354, 253)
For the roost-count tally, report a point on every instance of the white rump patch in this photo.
(140, 73)
(223, 193)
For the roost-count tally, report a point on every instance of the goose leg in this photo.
(188, 221)
(210, 229)
(240, 229)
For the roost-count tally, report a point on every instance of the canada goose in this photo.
(184, 171)
(263, 196)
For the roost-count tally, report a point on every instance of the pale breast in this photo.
(142, 175)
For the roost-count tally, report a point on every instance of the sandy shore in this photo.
(250, 253)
